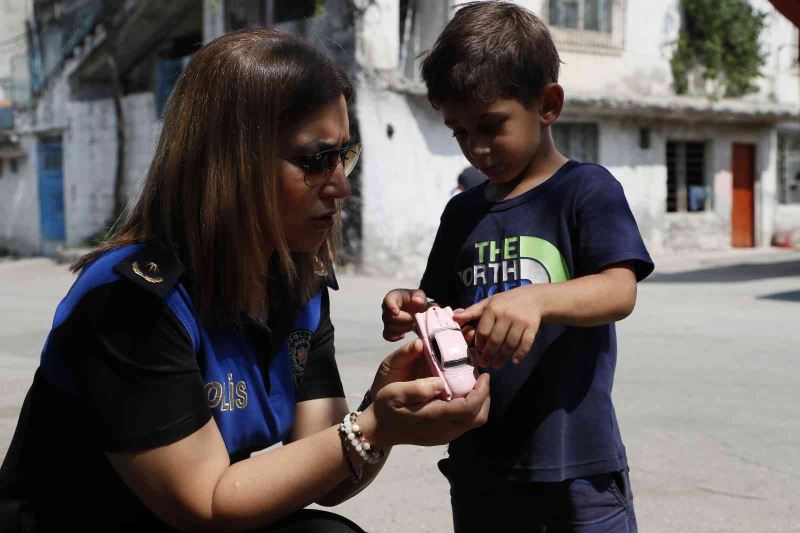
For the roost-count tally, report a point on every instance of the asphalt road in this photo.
(707, 391)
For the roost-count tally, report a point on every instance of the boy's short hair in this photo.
(491, 50)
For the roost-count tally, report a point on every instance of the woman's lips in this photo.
(324, 221)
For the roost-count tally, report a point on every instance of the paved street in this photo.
(706, 391)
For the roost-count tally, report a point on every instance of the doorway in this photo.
(51, 192)
(743, 212)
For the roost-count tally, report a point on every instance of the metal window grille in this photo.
(687, 186)
(576, 140)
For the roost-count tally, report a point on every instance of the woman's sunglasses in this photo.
(318, 168)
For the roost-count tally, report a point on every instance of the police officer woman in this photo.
(200, 331)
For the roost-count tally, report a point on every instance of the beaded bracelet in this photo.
(356, 474)
(352, 433)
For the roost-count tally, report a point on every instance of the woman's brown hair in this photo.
(211, 193)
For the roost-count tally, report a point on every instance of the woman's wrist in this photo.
(366, 401)
(369, 427)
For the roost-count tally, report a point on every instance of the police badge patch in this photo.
(299, 344)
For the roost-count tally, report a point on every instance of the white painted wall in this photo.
(781, 76)
(787, 218)
(378, 36)
(642, 68)
(406, 179)
(89, 151)
(12, 26)
(90, 147)
(713, 230)
(642, 172)
(19, 204)
(89, 140)
(141, 135)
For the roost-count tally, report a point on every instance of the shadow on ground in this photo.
(730, 273)
(788, 296)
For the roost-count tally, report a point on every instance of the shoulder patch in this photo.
(299, 346)
(152, 268)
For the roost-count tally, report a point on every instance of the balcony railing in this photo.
(53, 43)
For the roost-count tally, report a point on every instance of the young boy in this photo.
(544, 257)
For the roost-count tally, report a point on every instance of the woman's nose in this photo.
(338, 186)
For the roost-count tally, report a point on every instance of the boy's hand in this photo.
(507, 327)
(399, 306)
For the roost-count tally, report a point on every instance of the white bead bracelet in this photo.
(353, 436)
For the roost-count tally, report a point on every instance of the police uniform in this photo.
(129, 366)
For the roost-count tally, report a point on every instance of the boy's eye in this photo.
(494, 127)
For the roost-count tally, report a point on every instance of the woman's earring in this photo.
(319, 267)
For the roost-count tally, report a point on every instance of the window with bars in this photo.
(576, 140)
(591, 15)
(687, 186)
(789, 168)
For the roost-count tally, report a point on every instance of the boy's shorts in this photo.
(600, 503)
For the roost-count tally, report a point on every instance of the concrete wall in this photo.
(712, 230)
(787, 218)
(642, 67)
(12, 26)
(643, 173)
(780, 72)
(88, 133)
(90, 147)
(19, 204)
(377, 35)
(89, 151)
(407, 179)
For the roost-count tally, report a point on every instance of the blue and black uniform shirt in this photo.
(128, 366)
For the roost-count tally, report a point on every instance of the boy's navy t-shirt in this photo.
(552, 417)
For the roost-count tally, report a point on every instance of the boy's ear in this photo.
(551, 102)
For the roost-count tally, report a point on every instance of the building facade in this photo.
(699, 172)
(14, 96)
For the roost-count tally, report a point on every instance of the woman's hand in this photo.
(411, 412)
(404, 364)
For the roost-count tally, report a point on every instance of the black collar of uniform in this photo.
(152, 268)
(331, 281)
